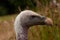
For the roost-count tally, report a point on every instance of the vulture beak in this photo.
(48, 21)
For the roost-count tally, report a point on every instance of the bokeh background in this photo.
(9, 9)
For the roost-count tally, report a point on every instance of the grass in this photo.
(37, 32)
(6, 27)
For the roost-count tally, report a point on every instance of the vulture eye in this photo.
(33, 16)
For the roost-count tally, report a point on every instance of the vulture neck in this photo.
(23, 35)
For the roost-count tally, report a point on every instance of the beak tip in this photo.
(49, 21)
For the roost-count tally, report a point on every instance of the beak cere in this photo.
(49, 21)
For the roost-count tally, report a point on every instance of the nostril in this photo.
(49, 21)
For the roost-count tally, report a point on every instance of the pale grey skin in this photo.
(26, 19)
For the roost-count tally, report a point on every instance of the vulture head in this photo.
(30, 18)
(26, 19)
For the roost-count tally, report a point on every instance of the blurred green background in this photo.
(9, 9)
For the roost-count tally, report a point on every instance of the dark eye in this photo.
(33, 16)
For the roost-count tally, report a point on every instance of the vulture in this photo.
(26, 19)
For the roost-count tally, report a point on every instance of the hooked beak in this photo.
(48, 21)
